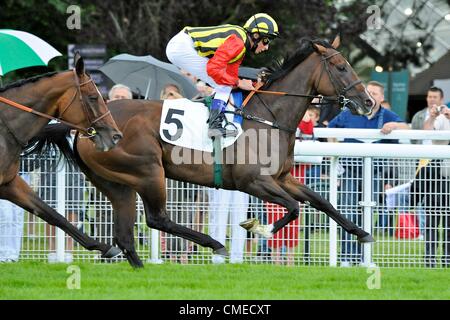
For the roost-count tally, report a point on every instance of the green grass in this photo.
(37, 280)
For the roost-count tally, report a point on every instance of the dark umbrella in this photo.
(146, 75)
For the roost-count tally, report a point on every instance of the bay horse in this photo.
(142, 160)
(25, 108)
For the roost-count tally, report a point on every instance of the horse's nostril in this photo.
(117, 137)
(369, 103)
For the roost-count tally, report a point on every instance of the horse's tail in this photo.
(50, 138)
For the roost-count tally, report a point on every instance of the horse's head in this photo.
(337, 77)
(84, 106)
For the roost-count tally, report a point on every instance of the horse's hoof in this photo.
(366, 239)
(138, 265)
(112, 253)
(264, 230)
(249, 224)
(221, 251)
(253, 225)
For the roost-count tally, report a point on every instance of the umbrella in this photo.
(19, 49)
(146, 75)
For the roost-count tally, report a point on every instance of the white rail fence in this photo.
(353, 177)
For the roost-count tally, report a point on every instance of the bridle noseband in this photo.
(341, 98)
(90, 131)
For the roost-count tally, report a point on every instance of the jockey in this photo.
(214, 54)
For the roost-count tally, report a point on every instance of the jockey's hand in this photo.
(246, 84)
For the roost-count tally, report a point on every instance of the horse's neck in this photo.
(289, 111)
(41, 96)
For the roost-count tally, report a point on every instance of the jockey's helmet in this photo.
(263, 24)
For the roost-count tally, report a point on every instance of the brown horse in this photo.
(142, 160)
(70, 96)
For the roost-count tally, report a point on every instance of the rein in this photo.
(90, 131)
(339, 98)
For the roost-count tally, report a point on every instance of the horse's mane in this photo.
(281, 67)
(25, 81)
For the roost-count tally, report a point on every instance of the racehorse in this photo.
(25, 108)
(142, 160)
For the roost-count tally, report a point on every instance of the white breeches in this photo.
(180, 51)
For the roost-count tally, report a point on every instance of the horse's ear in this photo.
(336, 42)
(319, 48)
(79, 64)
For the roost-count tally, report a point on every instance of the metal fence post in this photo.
(154, 253)
(333, 200)
(368, 205)
(60, 242)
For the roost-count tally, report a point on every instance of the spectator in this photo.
(432, 187)
(224, 205)
(118, 92)
(214, 55)
(435, 97)
(170, 91)
(11, 228)
(351, 180)
(313, 172)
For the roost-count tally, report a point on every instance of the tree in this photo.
(143, 27)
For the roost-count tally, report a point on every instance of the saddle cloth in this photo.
(183, 123)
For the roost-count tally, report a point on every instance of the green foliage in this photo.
(143, 27)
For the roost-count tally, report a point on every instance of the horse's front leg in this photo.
(18, 192)
(305, 195)
(266, 189)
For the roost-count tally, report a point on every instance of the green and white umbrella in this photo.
(19, 49)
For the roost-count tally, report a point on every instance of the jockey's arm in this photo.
(218, 66)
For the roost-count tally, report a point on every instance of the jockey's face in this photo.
(263, 45)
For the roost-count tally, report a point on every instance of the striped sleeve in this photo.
(217, 67)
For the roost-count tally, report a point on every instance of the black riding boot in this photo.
(216, 118)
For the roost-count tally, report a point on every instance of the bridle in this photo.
(89, 132)
(340, 97)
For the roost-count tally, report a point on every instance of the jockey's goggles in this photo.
(265, 40)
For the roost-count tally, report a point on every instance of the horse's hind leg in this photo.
(304, 194)
(123, 200)
(153, 195)
(18, 192)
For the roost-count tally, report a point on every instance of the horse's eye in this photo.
(92, 98)
(341, 68)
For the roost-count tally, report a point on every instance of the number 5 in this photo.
(170, 119)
